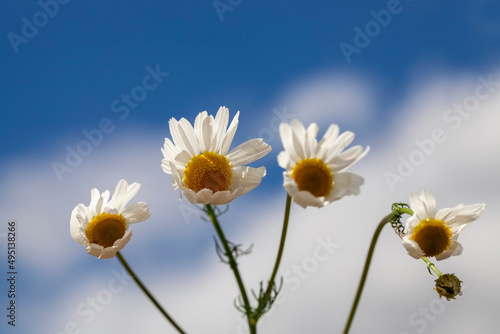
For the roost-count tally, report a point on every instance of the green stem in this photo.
(382, 223)
(270, 285)
(432, 266)
(146, 291)
(234, 267)
(406, 210)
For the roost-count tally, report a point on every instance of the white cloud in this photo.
(337, 95)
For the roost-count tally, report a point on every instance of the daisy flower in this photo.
(429, 233)
(314, 171)
(200, 164)
(102, 227)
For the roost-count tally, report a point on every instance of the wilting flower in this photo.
(200, 164)
(448, 286)
(102, 227)
(314, 171)
(429, 234)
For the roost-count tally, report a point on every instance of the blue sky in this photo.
(118, 71)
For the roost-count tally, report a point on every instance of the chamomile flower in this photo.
(200, 162)
(102, 227)
(315, 171)
(429, 233)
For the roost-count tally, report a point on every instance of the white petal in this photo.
(345, 184)
(334, 148)
(227, 139)
(411, 223)
(122, 195)
(412, 248)
(284, 160)
(95, 196)
(75, 228)
(109, 252)
(136, 212)
(169, 150)
(165, 166)
(460, 216)
(302, 198)
(221, 198)
(298, 138)
(429, 203)
(455, 249)
(189, 137)
(287, 141)
(418, 207)
(310, 141)
(173, 125)
(328, 139)
(207, 136)
(198, 121)
(346, 159)
(247, 152)
(220, 124)
(246, 178)
(94, 250)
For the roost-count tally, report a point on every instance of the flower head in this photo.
(448, 286)
(200, 164)
(314, 171)
(429, 233)
(102, 227)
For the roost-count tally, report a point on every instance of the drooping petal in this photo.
(346, 159)
(454, 249)
(345, 184)
(460, 216)
(75, 228)
(136, 213)
(284, 160)
(412, 248)
(247, 152)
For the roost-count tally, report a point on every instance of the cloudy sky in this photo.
(87, 92)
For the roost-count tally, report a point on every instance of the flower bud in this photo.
(448, 286)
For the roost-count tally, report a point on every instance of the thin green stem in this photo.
(406, 210)
(382, 223)
(234, 267)
(270, 285)
(146, 291)
(431, 265)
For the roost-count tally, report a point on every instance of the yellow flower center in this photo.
(433, 236)
(208, 170)
(314, 176)
(105, 228)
